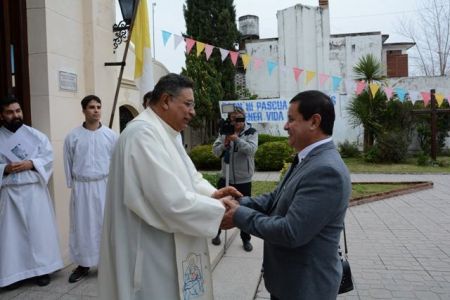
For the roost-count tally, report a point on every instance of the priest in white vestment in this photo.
(87, 153)
(159, 210)
(29, 244)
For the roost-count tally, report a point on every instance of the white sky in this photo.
(346, 16)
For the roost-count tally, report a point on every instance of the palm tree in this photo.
(365, 109)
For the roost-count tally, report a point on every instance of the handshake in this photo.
(228, 196)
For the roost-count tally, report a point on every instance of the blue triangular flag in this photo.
(166, 36)
(270, 66)
(400, 93)
(336, 82)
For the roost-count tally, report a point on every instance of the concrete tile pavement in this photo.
(399, 248)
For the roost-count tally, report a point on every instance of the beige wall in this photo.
(75, 37)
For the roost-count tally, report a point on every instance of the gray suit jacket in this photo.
(301, 222)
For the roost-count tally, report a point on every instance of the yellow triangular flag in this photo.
(374, 87)
(439, 98)
(143, 70)
(200, 47)
(245, 60)
(309, 76)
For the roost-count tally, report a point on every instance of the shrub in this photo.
(348, 149)
(203, 158)
(271, 156)
(390, 147)
(212, 178)
(423, 159)
(264, 138)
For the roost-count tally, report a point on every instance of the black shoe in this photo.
(78, 274)
(216, 241)
(13, 286)
(42, 280)
(247, 246)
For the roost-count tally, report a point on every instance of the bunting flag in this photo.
(208, 51)
(350, 85)
(283, 69)
(200, 48)
(323, 78)
(414, 96)
(388, 91)
(245, 60)
(223, 53)
(166, 35)
(270, 66)
(234, 57)
(360, 86)
(257, 63)
(400, 93)
(336, 82)
(309, 76)
(439, 98)
(189, 44)
(177, 40)
(426, 96)
(297, 73)
(143, 69)
(374, 87)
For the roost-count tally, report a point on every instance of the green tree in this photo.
(212, 22)
(207, 93)
(366, 109)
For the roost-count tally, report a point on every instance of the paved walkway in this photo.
(399, 248)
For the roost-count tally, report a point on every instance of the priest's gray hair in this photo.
(170, 84)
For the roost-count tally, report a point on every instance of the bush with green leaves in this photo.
(348, 149)
(390, 147)
(264, 138)
(203, 158)
(212, 178)
(423, 128)
(271, 156)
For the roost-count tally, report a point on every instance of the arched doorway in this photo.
(126, 114)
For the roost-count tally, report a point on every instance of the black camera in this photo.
(225, 127)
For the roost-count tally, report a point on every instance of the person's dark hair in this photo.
(316, 102)
(8, 100)
(89, 98)
(146, 99)
(171, 84)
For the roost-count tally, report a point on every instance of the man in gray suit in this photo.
(302, 219)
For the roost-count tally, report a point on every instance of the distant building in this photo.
(304, 41)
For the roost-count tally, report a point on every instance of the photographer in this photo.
(242, 143)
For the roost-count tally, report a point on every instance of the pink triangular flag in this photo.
(177, 40)
(257, 63)
(189, 44)
(323, 78)
(297, 72)
(360, 86)
(234, 57)
(223, 53)
(426, 98)
(388, 91)
(208, 51)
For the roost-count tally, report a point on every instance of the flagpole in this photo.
(122, 64)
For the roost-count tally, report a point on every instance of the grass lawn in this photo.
(358, 189)
(357, 165)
